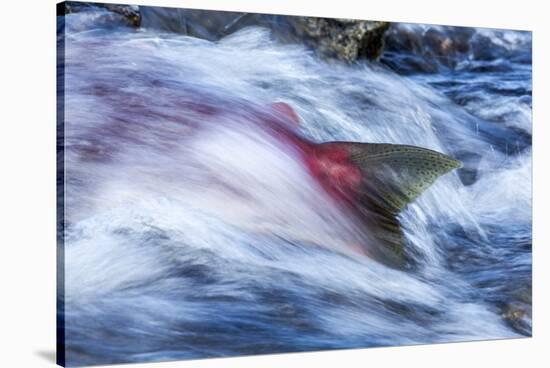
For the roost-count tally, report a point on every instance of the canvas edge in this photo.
(60, 184)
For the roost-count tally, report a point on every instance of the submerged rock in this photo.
(469, 173)
(206, 24)
(517, 313)
(427, 48)
(518, 317)
(342, 39)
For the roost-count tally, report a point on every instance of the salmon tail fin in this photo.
(397, 174)
(392, 176)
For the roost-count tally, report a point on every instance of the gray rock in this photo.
(206, 24)
(343, 39)
(517, 312)
(130, 13)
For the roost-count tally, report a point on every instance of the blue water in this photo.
(184, 243)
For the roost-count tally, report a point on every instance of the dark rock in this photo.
(130, 13)
(344, 39)
(70, 7)
(341, 39)
(206, 24)
(424, 48)
(518, 316)
(517, 311)
(468, 174)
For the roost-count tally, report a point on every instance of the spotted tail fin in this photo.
(392, 176)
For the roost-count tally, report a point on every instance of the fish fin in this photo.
(392, 176)
(395, 174)
(286, 111)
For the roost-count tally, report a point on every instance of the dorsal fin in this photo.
(392, 176)
(286, 111)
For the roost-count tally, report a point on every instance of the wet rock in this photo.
(130, 13)
(343, 39)
(518, 317)
(69, 7)
(468, 174)
(517, 313)
(425, 48)
(206, 24)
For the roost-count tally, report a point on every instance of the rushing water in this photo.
(185, 242)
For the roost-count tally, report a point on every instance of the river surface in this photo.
(185, 243)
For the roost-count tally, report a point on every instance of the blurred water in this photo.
(191, 233)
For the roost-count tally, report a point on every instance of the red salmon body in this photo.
(329, 164)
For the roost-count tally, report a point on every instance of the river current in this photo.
(183, 244)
